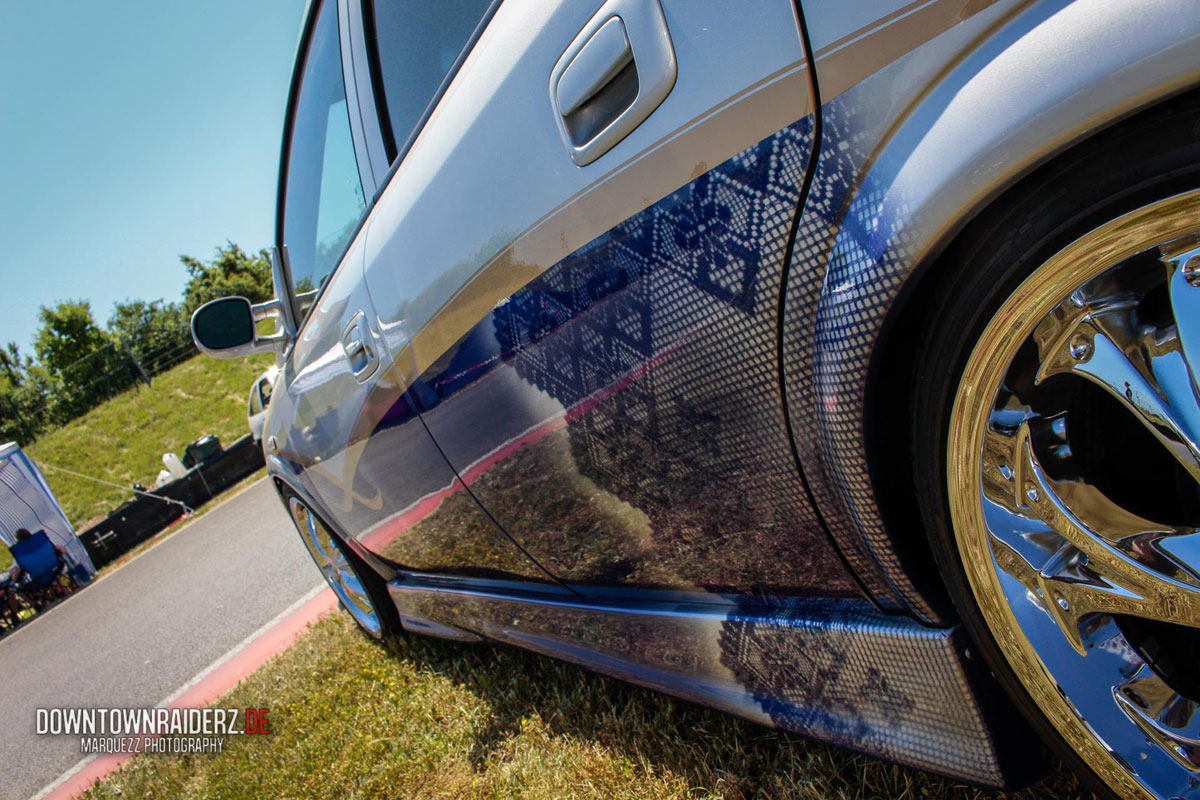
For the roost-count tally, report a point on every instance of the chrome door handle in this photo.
(357, 349)
(618, 69)
(595, 66)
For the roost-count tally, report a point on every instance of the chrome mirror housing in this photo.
(227, 327)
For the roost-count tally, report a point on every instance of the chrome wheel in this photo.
(336, 568)
(1073, 477)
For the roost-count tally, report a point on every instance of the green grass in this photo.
(123, 440)
(431, 719)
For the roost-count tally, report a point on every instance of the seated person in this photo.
(9, 601)
(18, 574)
(15, 570)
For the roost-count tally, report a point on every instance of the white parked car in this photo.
(260, 398)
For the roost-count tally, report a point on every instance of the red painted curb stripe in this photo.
(271, 643)
(216, 683)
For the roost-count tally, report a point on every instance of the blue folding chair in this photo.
(42, 564)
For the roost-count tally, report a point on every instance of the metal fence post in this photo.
(136, 363)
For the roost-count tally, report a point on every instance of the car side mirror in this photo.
(227, 328)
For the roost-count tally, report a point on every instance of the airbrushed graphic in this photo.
(657, 344)
(647, 415)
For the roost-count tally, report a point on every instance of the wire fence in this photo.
(116, 367)
(14, 424)
(140, 492)
(113, 368)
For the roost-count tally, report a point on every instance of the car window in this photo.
(417, 43)
(264, 390)
(255, 400)
(323, 198)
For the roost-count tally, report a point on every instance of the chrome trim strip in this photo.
(364, 93)
(355, 99)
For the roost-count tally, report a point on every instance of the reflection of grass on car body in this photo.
(123, 440)
(566, 511)
(427, 718)
(433, 719)
(580, 529)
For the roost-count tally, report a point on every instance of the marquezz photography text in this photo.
(152, 730)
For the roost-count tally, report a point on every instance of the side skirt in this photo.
(833, 669)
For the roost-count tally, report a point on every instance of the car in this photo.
(260, 398)
(830, 364)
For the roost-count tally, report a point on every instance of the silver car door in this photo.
(339, 424)
(588, 289)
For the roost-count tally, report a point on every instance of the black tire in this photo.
(391, 630)
(373, 585)
(1147, 158)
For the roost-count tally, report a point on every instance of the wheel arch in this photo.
(288, 483)
(969, 142)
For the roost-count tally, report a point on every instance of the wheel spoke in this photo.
(326, 547)
(1183, 284)
(1111, 564)
(1156, 386)
(1166, 717)
(1104, 579)
(336, 568)
(356, 593)
(1011, 470)
(1138, 543)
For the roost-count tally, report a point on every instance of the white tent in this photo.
(27, 502)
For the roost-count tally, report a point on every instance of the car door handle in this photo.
(595, 66)
(618, 69)
(357, 348)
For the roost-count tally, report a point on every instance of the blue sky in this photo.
(132, 131)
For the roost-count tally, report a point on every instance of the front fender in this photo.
(910, 155)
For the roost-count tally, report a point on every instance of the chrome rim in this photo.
(1073, 472)
(337, 570)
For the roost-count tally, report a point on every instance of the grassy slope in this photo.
(427, 719)
(124, 439)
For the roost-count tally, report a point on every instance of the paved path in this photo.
(146, 629)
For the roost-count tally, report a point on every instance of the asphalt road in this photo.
(136, 636)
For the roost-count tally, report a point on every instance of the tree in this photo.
(26, 394)
(156, 333)
(80, 364)
(68, 334)
(11, 365)
(231, 272)
(34, 398)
